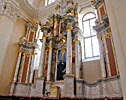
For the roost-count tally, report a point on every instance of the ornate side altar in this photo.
(60, 66)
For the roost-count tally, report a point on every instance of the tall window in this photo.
(47, 2)
(91, 47)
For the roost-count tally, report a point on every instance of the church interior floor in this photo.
(49, 98)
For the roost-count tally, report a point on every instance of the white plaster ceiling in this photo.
(37, 4)
(36, 9)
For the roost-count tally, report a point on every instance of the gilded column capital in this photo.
(27, 54)
(69, 28)
(108, 35)
(50, 47)
(44, 36)
(76, 13)
(101, 37)
(33, 54)
(46, 28)
(76, 41)
(20, 51)
(72, 12)
(55, 20)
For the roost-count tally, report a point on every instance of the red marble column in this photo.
(25, 69)
(102, 11)
(112, 62)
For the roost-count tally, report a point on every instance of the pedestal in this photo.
(79, 88)
(69, 86)
(47, 88)
(55, 91)
(12, 88)
(38, 90)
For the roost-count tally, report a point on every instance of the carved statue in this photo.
(61, 69)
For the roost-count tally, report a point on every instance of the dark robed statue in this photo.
(61, 69)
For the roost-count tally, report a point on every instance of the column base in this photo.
(12, 88)
(20, 89)
(79, 88)
(69, 85)
(47, 88)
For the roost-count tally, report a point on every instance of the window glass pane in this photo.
(95, 46)
(92, 23)
(49, 2)
(91, 46)
(86, 29)
(89, 16)
(88, 47)
(46, 2)
(53, 0)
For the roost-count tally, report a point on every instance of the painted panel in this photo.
(31, 36)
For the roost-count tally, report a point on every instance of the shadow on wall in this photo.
(91, 71)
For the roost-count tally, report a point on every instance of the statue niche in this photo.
(61, 66)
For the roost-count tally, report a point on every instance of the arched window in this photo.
(47, 2)
(91, 47)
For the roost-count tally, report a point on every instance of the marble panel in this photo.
(109, 87)
(69, 86)
(113, 88)
(37, 90)
(22, 89)
(79, 88)
(12, 88)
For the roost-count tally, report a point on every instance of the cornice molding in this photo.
(8, 9)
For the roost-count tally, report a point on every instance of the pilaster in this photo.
(77, 58)
(17, 67)
(38, 89)
(49, 60)
(45, 29)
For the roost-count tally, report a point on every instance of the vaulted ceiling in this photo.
(37, 4)
(36, 9)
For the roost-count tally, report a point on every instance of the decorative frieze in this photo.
(9, 10)
(97, 3)
(103, 27)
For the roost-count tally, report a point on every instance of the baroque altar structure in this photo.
(60, 67)
(60, 61)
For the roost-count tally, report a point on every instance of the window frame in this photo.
(91, 36)
(48, 2)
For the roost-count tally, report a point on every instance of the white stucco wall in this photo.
(117, 17)
(10, 52)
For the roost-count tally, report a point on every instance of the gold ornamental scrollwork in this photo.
(69, 28)
(76, 41)
(108, 35)
(50, 47)
(20, 51)
(33, 54)
(44, 36)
